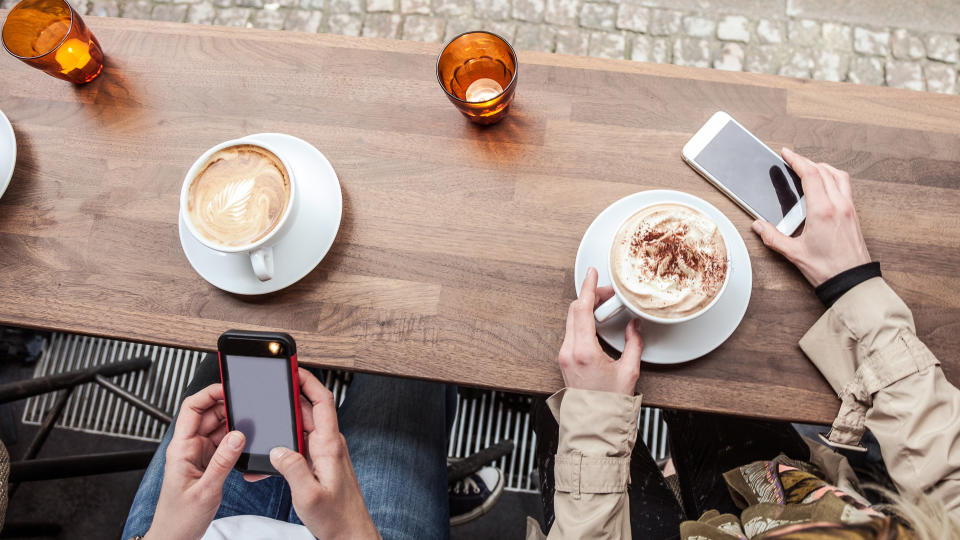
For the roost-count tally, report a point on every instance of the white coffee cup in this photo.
(260, 251)
(616, 303)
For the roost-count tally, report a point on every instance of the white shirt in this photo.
(255, 528)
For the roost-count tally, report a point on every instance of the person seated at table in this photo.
(742, 478)
(376, 467)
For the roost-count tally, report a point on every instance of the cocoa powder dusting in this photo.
(670, 253)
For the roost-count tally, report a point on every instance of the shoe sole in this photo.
(483, 508)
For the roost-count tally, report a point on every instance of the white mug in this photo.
(261, 251)
(615, 304)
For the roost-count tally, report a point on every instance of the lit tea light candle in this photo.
(73, 54)
(483, 90)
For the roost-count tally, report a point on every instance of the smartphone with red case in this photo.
(261, 390)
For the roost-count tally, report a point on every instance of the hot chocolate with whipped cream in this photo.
(239, 196)
(669, 260)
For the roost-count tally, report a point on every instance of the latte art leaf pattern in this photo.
(239, 196)
(231, 203)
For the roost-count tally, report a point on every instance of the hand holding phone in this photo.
(261, 389)
(737, 163)
(831, 241)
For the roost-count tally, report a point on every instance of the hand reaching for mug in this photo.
(200, 456)
(583, 363)
(831, 241)
(324, 488)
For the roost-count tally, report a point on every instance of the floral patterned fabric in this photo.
(786, 499)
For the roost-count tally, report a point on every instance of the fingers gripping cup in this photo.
(668, 264)
(238, 198)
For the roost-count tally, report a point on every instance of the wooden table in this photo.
(455, 257)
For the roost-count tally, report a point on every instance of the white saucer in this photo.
(315, 221)
(669, 343)
(8, 153)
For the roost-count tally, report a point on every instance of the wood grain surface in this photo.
(455, 258)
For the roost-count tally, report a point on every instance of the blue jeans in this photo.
(396, 432)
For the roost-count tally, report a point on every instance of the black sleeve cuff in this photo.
(832, 289)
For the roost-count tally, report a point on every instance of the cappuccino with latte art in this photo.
(239, 196)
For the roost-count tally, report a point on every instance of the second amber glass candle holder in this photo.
(478, 72)
(49, 35)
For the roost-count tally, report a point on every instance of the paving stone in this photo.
(81, 6)
(731, 57)
(837, 36)
(382, 25)
(249, 3)
(305, 4)
(701, 27)
(381, 5)
(941, 78)
(139, 9)
(942, 47)
(831, 65)
(734, 28)
(232, 16)
(762, 59)
(505, 29)
(769, 31)
(455, 27)
(229, 3)
(803, 32)
(450, 8)
(562, 12)
(572, 41)
(633, 17)
(346, 24)
(599, 16)
(529, 10)
(343, 6)
(798, 64)
(423, 28)
(202, 13)
(691, 52)
(181, 1)
(875, 42)
(866, 70)
(904, 74)
(300, 20)
(105, 8)
(415, 6)
(497, 10)
(535, 37)
(906, 45)
(271, 19)
(927, 15)
(607, 45)
(648, 49)
(665, 23)
(170, 12)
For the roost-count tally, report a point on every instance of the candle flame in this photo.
(73, 54)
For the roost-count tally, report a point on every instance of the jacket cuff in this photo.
(597, 434)
(832, 289)
(861, 345)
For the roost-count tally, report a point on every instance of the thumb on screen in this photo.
(224, 458)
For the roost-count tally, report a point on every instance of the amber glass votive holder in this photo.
(50, 36)
(478, 71)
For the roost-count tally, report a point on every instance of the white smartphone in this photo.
(737, 163)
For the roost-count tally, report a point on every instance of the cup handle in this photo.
(608, 309)
(262, 261)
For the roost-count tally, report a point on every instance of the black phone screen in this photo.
(748, 168)
(260, 404)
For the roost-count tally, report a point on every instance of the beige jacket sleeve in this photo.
(592, 468)
(888, 381)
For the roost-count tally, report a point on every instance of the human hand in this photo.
(324, 488)
(831, 241)
(583, 363)
(200, 456)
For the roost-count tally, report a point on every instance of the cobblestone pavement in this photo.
(904, 44)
